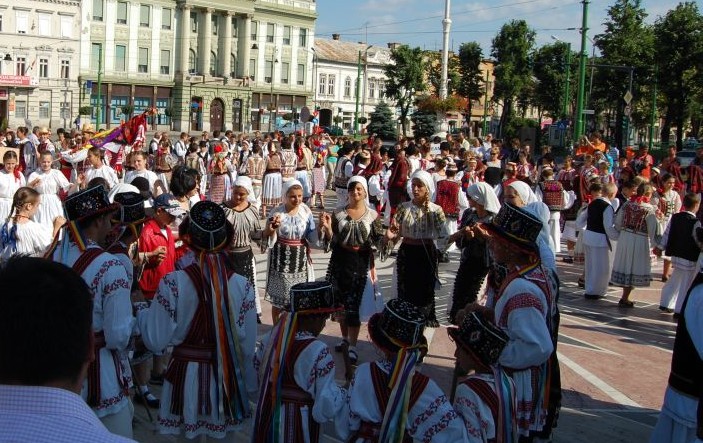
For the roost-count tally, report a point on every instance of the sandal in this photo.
(626, 303)
(582, 283)
(338, 346)
(353, 356)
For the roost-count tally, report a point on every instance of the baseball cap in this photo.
(168, 203)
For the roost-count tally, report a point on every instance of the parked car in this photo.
(289, 128)
(334, 130)
(690, 143)
(686, 157)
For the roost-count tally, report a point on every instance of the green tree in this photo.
(382, 123)
(627, 42)
(433, 60)
(511, 49)
(404, 78)
(550, 70)
(471, 82)
(424, 123)
(679, 46)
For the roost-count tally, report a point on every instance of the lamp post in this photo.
(273, 108)
(579, 127)
(485, 106)
(654, 107)
(366, 74)
(446, 24)
(98, 113)
(358, 86)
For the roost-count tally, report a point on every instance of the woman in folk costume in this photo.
(221, 180)
(289, 231)
(568, 178)
(256, 166)
(485, 400)
(139, 161)
(298, 391)
(551, 192)
(319, 182)
(303, 166)
(637, 223)
(474, 262)
(206, 312)
(243, 214)
(29, 155)
(50, 183)
(523, 300)
(419, 223)
(11, 179)
(271, 192)
(352, 234)
(164, 162)
(289, 162)
(404, 405)
(450, 197)
(668, 203)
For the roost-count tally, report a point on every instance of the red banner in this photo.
(16, 80)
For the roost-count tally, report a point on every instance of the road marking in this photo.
(590, 377)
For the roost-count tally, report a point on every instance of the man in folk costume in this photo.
(405, 405)
(207, 313)
(298, 391)
(552, 193)
(342, 173)
(106, 388)
(453, 201)
(485, 400)
(521, 296)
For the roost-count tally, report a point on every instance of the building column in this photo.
(184, 37)
(226, 45)
(205, 41)
(244, 50)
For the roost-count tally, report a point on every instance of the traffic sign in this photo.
(627, 97)
(561, 125)
(589, 111)
(305, 114)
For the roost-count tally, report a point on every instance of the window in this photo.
(65, 110)
(44, 21)
(330, 84)
(270, 32)
(95, 55)
(120, 58)
(303, 38)
(254, 30)
(235, 30)
(381, 88)
(21, 65)
(143, 61)
(252, 68)
(286, 35)
(161, 117)
(372, 88)
(347, 87)
(166, 18)
(194, 22)
(285, 69)
(44, 67)
(0, 22)
(66, 27)
(268, 71)
(323, 84)
(192, 62)
(141, 104)
(232, 65)
(165, 62)
(301, 75)
(144, 13)
(44, 110)
(22, 22)
(122, 13)
(65, 68)
(215, 20)
(116, 104)
(98, 10)
(213, 63)
(20, 109)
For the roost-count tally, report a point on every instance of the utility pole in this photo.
(446, 24)
(579, 127)
(358, 86)
(98, 113)
(485, 106)
(654, 107)
(565, 111)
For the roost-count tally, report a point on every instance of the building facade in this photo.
(205, 65)
(339, 66)
(39, 56)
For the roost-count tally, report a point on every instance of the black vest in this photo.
(595, 215)
(686, 365)
(681, 243)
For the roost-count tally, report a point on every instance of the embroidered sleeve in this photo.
(158, 323)
(437, 422)
(111, 285)
(524, 320)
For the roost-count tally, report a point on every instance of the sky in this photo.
(419, 22)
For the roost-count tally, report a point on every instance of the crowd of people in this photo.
(163, 235)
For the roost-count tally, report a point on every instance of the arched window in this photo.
(232, 65)
(213, 63)
(192, 62)
(347, 87)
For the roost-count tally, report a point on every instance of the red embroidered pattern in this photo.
(440, 425)
(427, 413)
(463, 403)
(519, 301)
(107, 402)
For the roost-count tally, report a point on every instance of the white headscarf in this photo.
(484, 194)
(524, 191)
(287, 185)
(120, 188)
(544, 241)
(245, 182)
(362, 181)
(425, 178)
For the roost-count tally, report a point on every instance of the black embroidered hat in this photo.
(480, 337)
(400, 325)
(315, 297)
(88, 203)
(131, 210)
(516, 225)
(208, 227)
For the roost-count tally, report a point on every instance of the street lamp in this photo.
(579, 128)
(273, 107)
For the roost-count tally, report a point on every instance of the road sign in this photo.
(589, 111)
(561, 125)
(628, 97)
(305, 114)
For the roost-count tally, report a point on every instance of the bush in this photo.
(424, 123)
(85, 110)
(382, 122)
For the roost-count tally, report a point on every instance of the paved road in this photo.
(614, 361)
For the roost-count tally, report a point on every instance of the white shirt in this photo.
(105, 172)
(597, 239)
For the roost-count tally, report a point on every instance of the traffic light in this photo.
(625, 122)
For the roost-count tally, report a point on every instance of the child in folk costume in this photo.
(668, 203)
(552, 193)
(50, 183)
(221, 179)
(318, 176)
(405, 405)
(271, 191)
(568, 177)
(637, 222)
(256, 166)
(452, 200)
(97, 168)
(206, 312)
(679, 243)
(598, 221)
(298, 391)
(11, 179)
(485, 400)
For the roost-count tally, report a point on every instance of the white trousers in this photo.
(120, 423)
(597, 269)
(676, 288)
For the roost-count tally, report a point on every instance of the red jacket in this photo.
(151, 238)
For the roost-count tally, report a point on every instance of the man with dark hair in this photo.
(46, 348)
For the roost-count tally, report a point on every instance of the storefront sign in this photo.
(18, 80)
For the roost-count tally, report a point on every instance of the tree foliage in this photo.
(471, 82)
(550, 68)
(404, 78)
(433, 60)
(382, 123)
(424, 123)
